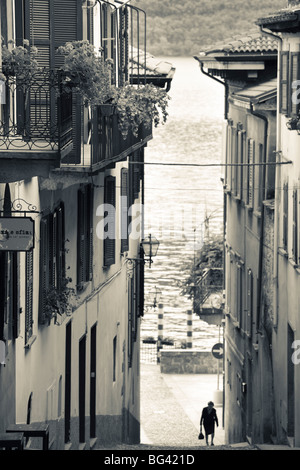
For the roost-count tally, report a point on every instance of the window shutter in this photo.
(81, 234)
(229, 156)
(234, 169)
(109, 242)
(124, 210)
(29, 296)
(60, 252)
(284, 82)
(66, 27)
(239, 293)
(89, 234)
(44, 267)
(249, 302)
(295, 61)
(295, 226)
(16, 295)
(250, 162)
(285, 216)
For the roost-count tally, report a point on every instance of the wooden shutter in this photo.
(250, 185)
(16, 295)
(66, 27)
(239, 293)
(234, 151)
(124, 210)
(249, 302)
(109, 242)
(285, 216)
(81, 234)
(295, 62)
(29, 296)
(284, 82)
(44, 267)
(89, 232)
(229, 157)
(295, 226)
(60, 245)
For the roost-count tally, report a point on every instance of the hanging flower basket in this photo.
(294, 124)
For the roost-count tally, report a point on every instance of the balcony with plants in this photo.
(118, 119)
(35, 115)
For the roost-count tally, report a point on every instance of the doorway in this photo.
(82, 372)
(290, 385)
(93, 382)
(68, 383)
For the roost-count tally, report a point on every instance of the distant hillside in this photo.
(183, 27)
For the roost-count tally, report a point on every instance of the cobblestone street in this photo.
(170, 413)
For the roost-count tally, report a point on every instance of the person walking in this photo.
(209, 419)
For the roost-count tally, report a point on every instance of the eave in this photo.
(285, 21)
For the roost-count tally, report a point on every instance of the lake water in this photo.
(178, 198)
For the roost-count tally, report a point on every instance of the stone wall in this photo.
(188, 361)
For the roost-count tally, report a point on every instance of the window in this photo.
(285, 216)
(284, 77)
(228, 169)
(240, 161)
(124, 210)
(114, 358)
(109, 229)
(249, 310)
(260, 179)
(52, 255)
(28, 296)
(85, 235)
(234, 151)
(295, 227)
(295, 61)
(289, 75)
(250, 173)
(239, 294)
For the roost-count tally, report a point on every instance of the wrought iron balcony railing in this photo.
(35, 117)
(105, 144)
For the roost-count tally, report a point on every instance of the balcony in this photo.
(103, 144)
(36, 129)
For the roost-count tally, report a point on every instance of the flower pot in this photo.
(107, 109)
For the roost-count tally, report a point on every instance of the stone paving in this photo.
(170, 412)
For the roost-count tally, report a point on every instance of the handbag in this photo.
(201, 436)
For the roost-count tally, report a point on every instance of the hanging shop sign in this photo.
(16, 233)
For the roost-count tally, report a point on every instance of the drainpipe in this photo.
(217, 80)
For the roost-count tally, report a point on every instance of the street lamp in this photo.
(150, 247)
(156, 294)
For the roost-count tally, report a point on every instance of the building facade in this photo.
(247, 68)
(72, 298)
(285, 25)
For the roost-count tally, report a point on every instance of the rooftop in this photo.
(252, 43)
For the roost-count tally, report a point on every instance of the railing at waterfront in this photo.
(149, 349)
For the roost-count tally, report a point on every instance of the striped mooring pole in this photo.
(189, 343)
(160, 326)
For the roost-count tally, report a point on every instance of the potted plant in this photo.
(59, 300)
(90, 75)
(20, 61)
(86, 72)
(142, 105)
(294, 124)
